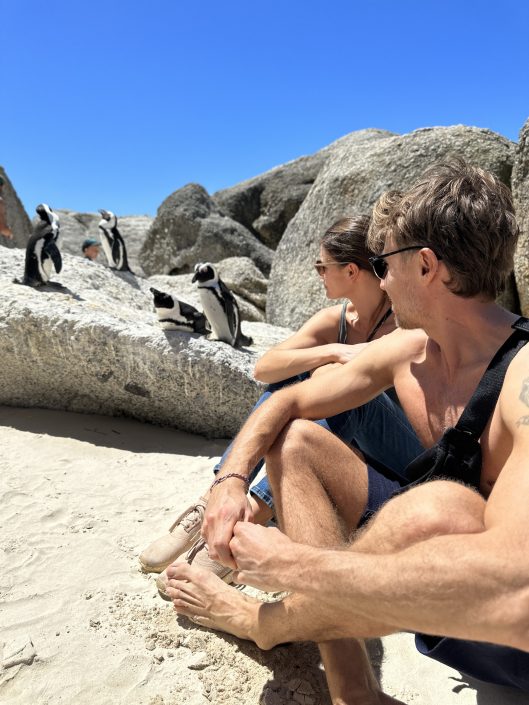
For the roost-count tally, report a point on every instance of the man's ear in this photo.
(429, 262)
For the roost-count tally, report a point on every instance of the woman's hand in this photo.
(343, 353)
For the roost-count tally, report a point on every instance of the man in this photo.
(90, 248)
(439, 558)
(5, 230)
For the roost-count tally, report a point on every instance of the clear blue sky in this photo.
(116, 104)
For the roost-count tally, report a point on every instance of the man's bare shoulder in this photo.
(514, 396)
(400, 345)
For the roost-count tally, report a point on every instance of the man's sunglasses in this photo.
(320, 267)
(379, 264)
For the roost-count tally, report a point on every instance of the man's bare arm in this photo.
(468, 586)
(352, 385)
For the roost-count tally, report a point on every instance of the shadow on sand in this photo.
(107, 431)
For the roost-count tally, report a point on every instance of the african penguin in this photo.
(177, 315)
(219, 305)
(42, 253)
(112, 242)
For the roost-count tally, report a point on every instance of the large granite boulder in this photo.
(17, 218)
(95, 346)
(268, 202)
(189, 228)
(520, 188)
(239, 274)
(349, 184)
(76, 227)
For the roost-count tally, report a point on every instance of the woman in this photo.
(334, 336)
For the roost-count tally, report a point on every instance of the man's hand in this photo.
(227, 505)
(264, 557)
(6, 232)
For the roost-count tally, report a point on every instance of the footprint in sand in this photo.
(15, 654)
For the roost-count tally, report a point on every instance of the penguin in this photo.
(113, 244)
(220, 306)
(42, 252)
(177, 315)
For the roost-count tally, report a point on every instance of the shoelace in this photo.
(197, 546)
(190, 519)
(193, 517)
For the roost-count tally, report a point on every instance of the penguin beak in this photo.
(195, 276)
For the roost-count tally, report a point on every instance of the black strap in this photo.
(481, 405)
(386, 315)
(342, 335)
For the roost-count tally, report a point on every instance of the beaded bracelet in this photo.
(230, 474)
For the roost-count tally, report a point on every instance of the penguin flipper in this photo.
(116, 253)
(55, 255)
(232, 312)
(187, 310)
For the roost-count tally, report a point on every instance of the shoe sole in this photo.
(160, 567)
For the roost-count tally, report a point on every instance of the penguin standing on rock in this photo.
(113, 244)
(177, 315)
(42, 252)
(220, 306)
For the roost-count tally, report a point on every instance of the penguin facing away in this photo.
(112, 242)
(42, 253)
(174, 314)
(220, 306)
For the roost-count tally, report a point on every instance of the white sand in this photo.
(80, 497)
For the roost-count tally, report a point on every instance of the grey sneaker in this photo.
(197, 556)
(182, 535)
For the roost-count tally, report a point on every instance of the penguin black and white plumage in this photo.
(112, 242)
(42, 252)
(219, 305)
(174, 314)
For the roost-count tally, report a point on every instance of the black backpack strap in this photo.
(481, 405)
(342, 334)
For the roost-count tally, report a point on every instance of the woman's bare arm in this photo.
(312, 346)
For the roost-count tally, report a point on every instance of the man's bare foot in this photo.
(209, 602)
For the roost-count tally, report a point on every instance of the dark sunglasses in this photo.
(320, 267)
(379, 264)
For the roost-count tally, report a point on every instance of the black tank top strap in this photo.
(481, 405)
(457, 454)
(342, 335)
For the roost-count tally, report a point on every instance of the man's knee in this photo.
(296, 437)
(436, 508)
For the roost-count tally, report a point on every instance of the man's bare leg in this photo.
(433, 509)
(320, 493)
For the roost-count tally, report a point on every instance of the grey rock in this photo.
(270, 697)
(17, 218)
(95, 346)
(349, 184)
(520, 189)
(238, 273)
(76, 227)
(266, 203)
(189, 228)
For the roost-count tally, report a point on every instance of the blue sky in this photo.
(117, 104)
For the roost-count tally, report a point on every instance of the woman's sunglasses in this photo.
(379, 264)
(320, 267)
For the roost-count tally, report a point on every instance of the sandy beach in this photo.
(80, 497)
